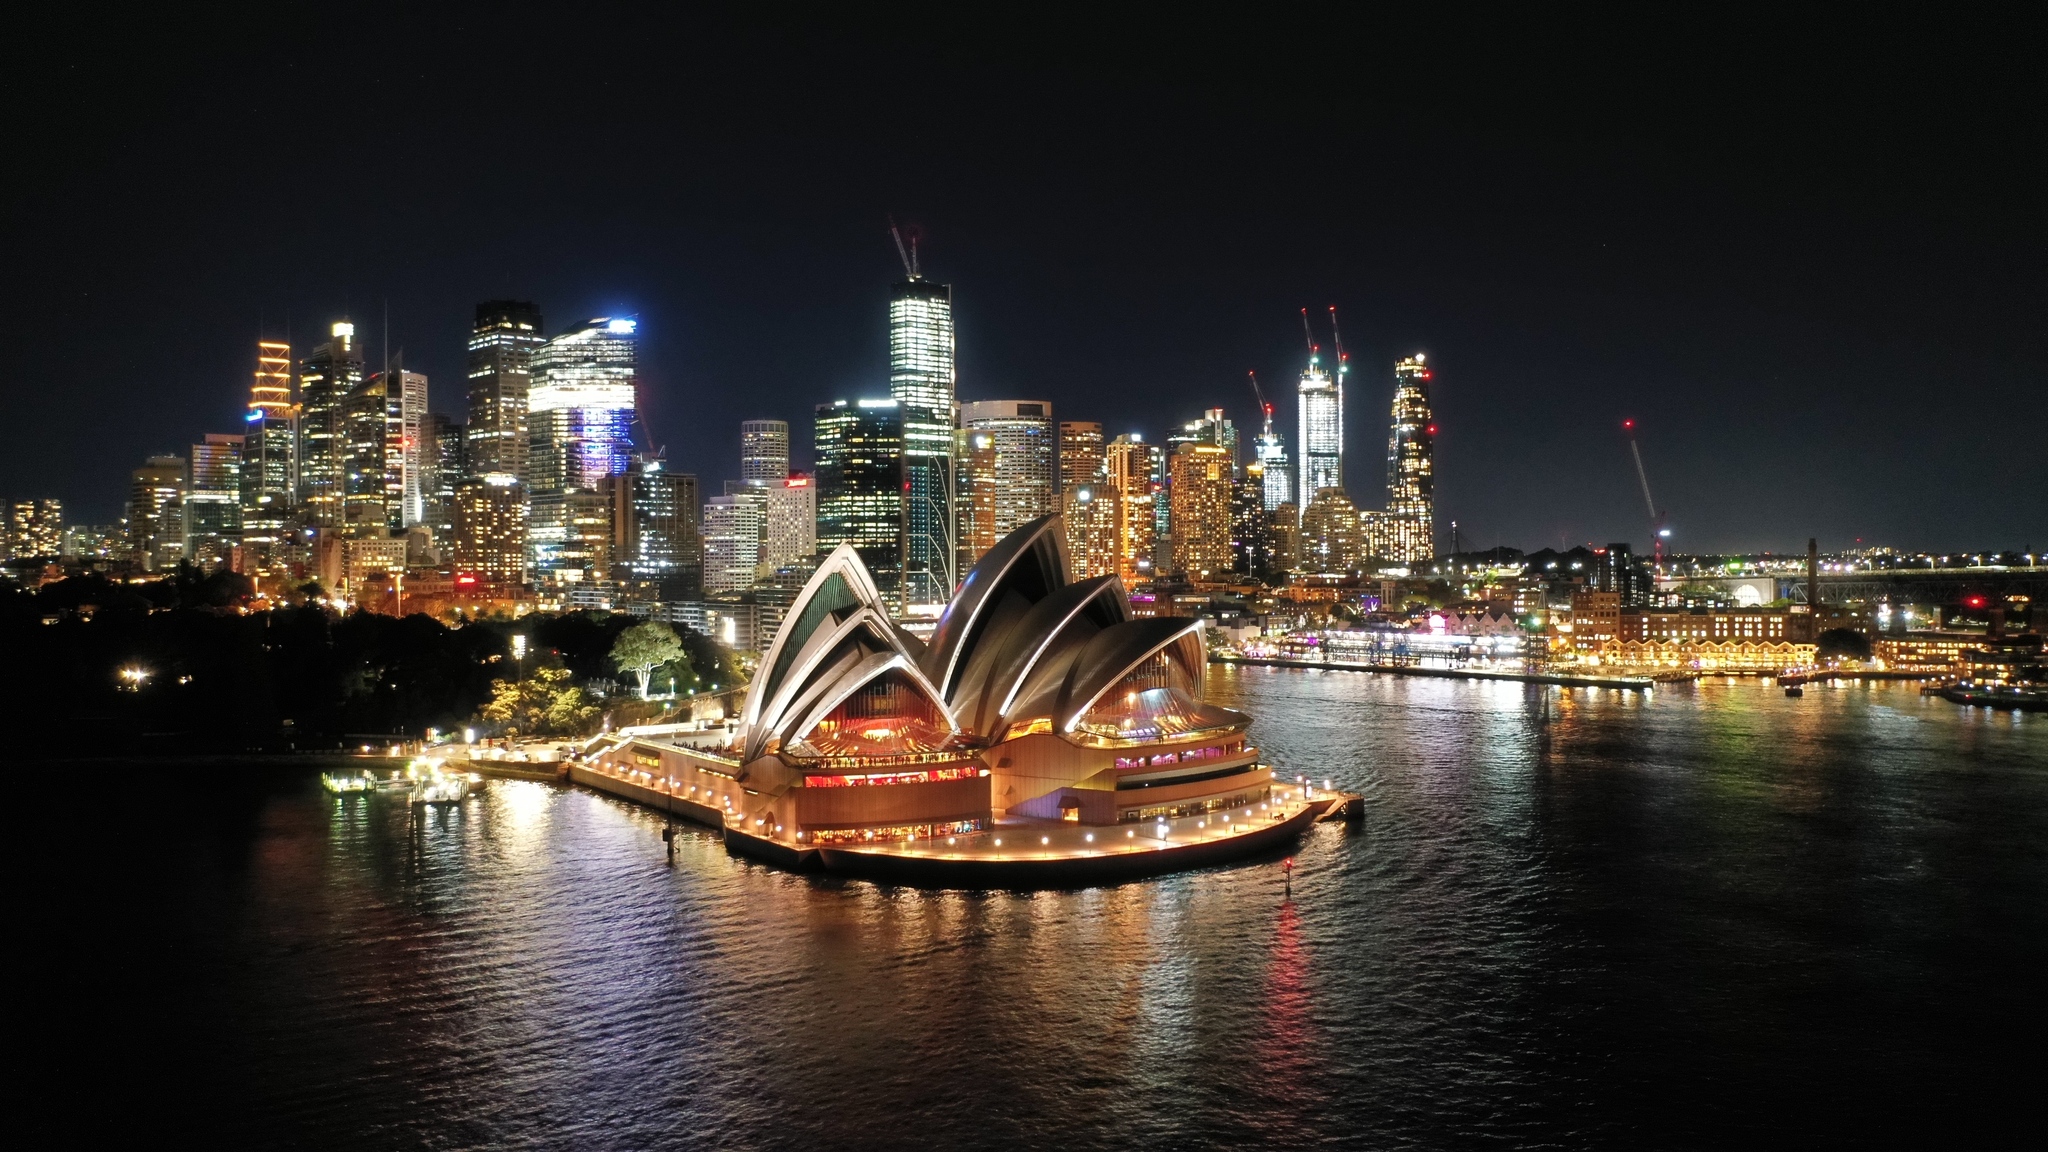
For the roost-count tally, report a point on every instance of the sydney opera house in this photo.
(1041, 723)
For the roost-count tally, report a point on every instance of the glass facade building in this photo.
(923, 377)
(501, 346)
(270, 453)
(1026, 477)
(327, 378)
(579, 420)
(862, 488)
(1411, 466)
(764, 452)
(1321, 431)
(213, 501)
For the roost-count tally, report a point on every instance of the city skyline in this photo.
(1730, 283)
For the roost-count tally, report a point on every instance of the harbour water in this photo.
(1571, 917)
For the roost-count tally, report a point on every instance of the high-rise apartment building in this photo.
(1081, 454)
(1090, 516)
(764, 452)
(1411, 466)
(213, 501)
(489, 539)
(789, 523)
(1026, 458)
(332, 373)
(974, 497)
(37, 530)
(1251, 547)
(156, 514)
(1200, 524)
(1321, 430)
(732, 539)
(1131, 466)
(923, 378)
(270, 454)
(501, 347)
(579, 421)
(861, 498)
(1332, 534)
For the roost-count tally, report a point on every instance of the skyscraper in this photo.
(579, 421)
(764, 452)
(923, 377)
(1411, 466)
(1026, 461)
(269, 458)
(1212, 428)
(326, 379)
(501, 346)
(1251, 546)
(1081, 454)
(1130, 467)
(1321, 430)
(974, 496)
(1200, 524)
(444, 462)
(655, 521)
(381, 419)
(732, 540)
(861, 498)
(213, 501)
(1277, 482)
(1091, 518)
(1332, 534)
(156, 513)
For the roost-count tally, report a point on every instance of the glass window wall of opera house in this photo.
(1037, 697)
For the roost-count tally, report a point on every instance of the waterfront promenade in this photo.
(1569, 680)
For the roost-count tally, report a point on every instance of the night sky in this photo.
(1808, 259)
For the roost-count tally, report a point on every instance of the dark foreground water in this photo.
(1570, 918)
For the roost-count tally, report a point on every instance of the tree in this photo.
(543, 704)
(644, 647)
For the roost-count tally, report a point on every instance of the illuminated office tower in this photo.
(1200, 494)
(501, 346)
(1411, 467)
(213, 501)
(1130, 468)
(1090, 516)
(923, 376)
(489, 542)
(1321, 430)
(156, 513)
(37, 531)
(579, 421)
(732, 540)
(270, 451)
(1212, 428)
(326, 379)
(789, 523)
(654, 520)
(861, 499)
(1026, 465)
(1081, 454)
(444, 462)
(381, 419)
(764, 452)
(1270, 452)
(974, 494)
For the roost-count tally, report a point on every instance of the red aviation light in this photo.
(1975, 601)
(1629, 425)
(1432, 429)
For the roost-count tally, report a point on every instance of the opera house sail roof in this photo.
(1020, 650)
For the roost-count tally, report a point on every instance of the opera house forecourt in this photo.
(1043, 736)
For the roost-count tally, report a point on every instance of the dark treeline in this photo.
(177, 665)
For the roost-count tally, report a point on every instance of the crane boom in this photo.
(1310, 336)
(909, 262)
(1338, 339)
(1642, 476)
(1264, 408)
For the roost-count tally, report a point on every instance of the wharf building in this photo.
(1025, 477)
(1038, 698)
(923, 378)
(270, 461)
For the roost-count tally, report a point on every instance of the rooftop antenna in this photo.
(907, 255)
(387, 338)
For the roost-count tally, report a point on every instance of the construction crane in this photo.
(1310, 336)
(1658, 532)
(1343, 361)
(1264, 407)
(907, 255)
